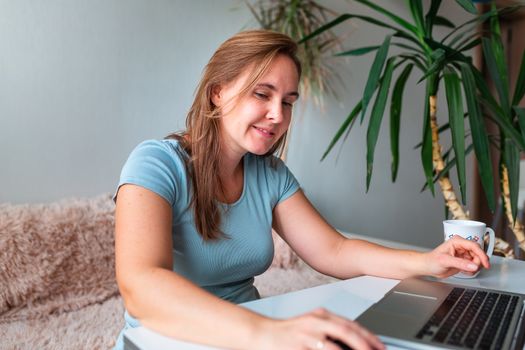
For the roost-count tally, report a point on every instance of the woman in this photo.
(195, 211)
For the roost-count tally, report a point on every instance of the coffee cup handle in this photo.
(492, 240)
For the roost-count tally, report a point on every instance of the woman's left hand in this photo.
(456, 255)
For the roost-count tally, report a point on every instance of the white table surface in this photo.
(347, 298)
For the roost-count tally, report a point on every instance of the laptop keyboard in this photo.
(472, 319)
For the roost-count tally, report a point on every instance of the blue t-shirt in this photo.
(226, 266)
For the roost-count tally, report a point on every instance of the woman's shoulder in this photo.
(157, 165)
(164, 148)
(162, 144)
(151, 156)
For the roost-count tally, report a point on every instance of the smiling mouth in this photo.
(265, 132)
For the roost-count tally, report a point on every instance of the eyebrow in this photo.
(273, 88)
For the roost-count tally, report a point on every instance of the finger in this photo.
(467, 273)
(339, 327)
(354, 326)
(448, 273)
(371, 338)
(355, 341)
(352, 334)
(334, 345)
(321, 313)
(473, 248)
(459, 263)
(465, 255)
(476, 260)
(321, 343)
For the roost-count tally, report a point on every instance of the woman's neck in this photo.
(230, 160)
(231, 174)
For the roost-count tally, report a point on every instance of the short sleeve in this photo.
(155, 166)
(287, 183)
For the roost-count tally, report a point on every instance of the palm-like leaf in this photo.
(432, 18)
(395, 117)
(359, 51)
(457, 126)
(480, 138)
(375, 119)
(347, 16)
(467, 5)
(375, 73)
(496, 66)
(342, 18)
(519, 91)
(405, 24)
(416, 7)
(442, 21)
(520, 113)
(426, 148)
(347, 124)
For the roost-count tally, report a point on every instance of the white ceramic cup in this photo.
(473, 231)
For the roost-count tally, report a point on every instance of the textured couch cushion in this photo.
(55, 257)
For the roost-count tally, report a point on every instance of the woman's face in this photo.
(256, 121)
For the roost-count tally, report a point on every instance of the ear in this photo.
(216, 95)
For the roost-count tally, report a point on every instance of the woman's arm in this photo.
(160, 298)
(327, 251)
(172, 305)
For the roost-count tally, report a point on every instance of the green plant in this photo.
(444, 60)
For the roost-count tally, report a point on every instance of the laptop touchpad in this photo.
(408, 304)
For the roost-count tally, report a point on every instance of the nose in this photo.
(275, 112)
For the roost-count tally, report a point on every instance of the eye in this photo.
(287, 104)
(260, 95)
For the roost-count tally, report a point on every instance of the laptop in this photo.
(427, 314)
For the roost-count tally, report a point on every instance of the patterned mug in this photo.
(473, 231)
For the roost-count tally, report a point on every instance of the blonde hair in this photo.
(201, 140)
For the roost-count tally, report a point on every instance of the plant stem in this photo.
(447, 189)
(516, 226)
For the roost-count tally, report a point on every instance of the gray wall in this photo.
(82, 82)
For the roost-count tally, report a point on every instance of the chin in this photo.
(260, 150)
(260, 147)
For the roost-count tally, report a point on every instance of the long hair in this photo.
(201, 140)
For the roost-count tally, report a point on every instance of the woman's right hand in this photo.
(313, 330)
